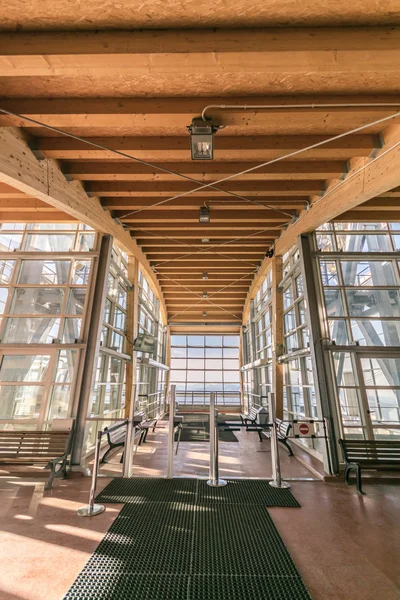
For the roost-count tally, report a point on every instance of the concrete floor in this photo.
(346, 547)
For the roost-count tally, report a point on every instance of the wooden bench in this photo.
(116, 436)
(145, 426)
(283, 429)
(250, 420)
(371, 454)
(35, 447)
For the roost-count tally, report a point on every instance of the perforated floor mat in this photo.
(138, 490)
(240, 491)
(172, 542)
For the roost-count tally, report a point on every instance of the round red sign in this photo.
(304, 428)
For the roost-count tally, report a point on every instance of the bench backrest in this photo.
(283, 428)
(116, 433)
(253, 413)
(366, 451)
(35, 444)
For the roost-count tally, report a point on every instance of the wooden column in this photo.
(277, 334)
(132, 317)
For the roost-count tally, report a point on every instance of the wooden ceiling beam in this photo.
(227, 148)
(133, 171)
(169, 188)
(330, 52)
(193, 202)
(172, 115)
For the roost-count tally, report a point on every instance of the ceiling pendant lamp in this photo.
(202, 133)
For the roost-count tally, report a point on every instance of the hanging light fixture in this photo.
(205, 275)
(202, 133)
(204, 240)
(205, 294)
(204, 214)
(204, 313)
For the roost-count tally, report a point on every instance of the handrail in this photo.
(93, 509)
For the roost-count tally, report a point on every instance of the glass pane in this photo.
(115, 372)
(231, 340)
(31, 301)
(76, 301)
(373, 303)
(72, 330)
(325, 242)
(196, 363)
(213, 340)
(231, 352)
(119, 319)
(81, 272)
(46, 272)
(381, 371)
(85, 242)
(117, 342)
(178, 352)
(384, 405)
(20, 402)
(178, 340)
(3, 299)
(121, 296)
(338, 332)
(213, 376)
(333, 303)
(196, 352)
(368, 273)
(10, 242)
(376, 333)
(66, 366)
(290, 321)
(107, 310)
(61, 242)
(349, 406)
(178, 376)
(363, 243)
(30, 330)
(178, 363)
(329, 274)
(28, 368)
(288, 297)
(214, 364)
(52, 226)
(59, 402)
(195, 340)
(213, 352)
(6, 270)
(345, 375)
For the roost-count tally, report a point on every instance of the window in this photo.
(201, 364)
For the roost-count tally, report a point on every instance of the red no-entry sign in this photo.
(304, 428)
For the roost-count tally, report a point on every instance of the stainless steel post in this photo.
(130, 436)
(277, 481)
(171, 434)
(214, 480)
(92, 509)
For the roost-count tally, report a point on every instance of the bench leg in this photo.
(154, 427)
(122, 456)
(259, 435)
(179, 438)
(49, 483)
(358, 479)
(347, 474)
(288, 448)
(106, 453)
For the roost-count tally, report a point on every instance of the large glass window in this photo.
(201, 364)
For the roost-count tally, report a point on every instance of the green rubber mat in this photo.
(148, 537)
(197, 431)
(240, 491)
(138, 490)
(172, 542)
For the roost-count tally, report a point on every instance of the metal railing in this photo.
(202, 398)
(151, 404)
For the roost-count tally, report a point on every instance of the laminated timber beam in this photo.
(131, 171)
(44, 180)
(194, 202)
(256, 148)
(330, 52)
(136, 116)
(367, 179)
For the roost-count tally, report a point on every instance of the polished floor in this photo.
(346, 547)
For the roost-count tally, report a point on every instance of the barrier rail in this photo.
(92, 509)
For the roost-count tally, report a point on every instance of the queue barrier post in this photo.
(92, 509)
(214, 480)
(277, 481)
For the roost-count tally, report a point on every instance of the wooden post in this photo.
(277, 334)
(132, 329)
